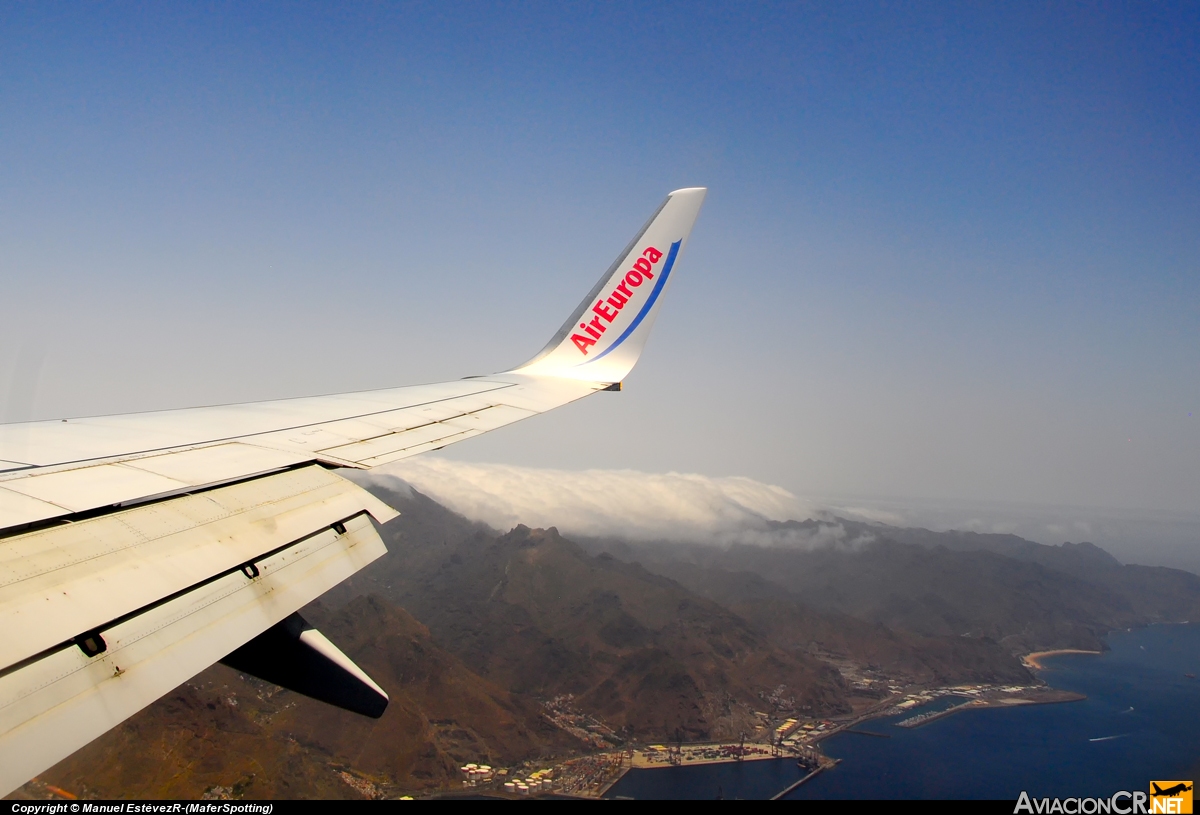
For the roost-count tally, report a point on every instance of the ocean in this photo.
(1140, 722)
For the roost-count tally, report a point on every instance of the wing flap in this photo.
(58, 582)
(54, 704)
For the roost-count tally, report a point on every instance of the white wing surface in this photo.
(137, 550)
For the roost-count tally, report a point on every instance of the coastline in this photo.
(1067, 736)
(1033, 660)
(699, 754)
(1032, 696)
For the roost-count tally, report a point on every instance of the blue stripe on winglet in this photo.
(658, 287)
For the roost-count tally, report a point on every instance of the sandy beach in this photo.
(1034, 660)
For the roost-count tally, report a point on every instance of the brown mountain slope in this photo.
(1022, 594)
(1149, 593)
(687, 645)
(227, 734)
(777, 612)
(536, 614)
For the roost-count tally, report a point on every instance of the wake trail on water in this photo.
(1110, 738)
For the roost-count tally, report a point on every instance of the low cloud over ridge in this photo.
(686, 507)
(624, 504)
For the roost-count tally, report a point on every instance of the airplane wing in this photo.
(137, 550)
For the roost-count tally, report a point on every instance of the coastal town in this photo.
(793, 738)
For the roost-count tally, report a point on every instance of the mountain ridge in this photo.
(526, 646)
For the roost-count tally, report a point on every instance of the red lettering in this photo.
(599, 325)
(633, 278)
(582, 342)
(643, 266)
(621, 287)
(618, 300)
(653, 254)
(595, 334)
(604, 311)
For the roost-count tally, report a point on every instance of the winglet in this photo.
(604, 336)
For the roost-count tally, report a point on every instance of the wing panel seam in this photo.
(226, 439)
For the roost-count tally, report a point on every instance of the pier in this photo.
(806, 778)
(926, 718)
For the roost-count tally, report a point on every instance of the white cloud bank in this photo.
(624, 504)
(685, 507)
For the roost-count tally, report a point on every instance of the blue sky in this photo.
(950, 253)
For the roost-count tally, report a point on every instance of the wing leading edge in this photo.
(137, 550)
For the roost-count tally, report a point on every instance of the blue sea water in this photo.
(1141, 721)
